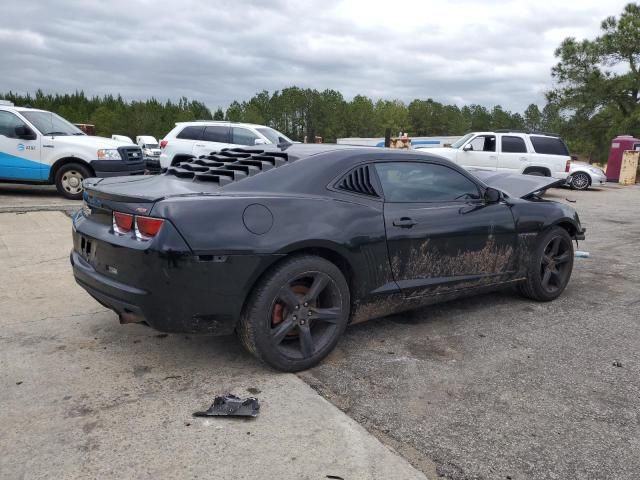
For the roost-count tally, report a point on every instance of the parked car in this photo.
(41, 147)
(510, 151)
(583, 175)
(189, 139)
(287, 246)
(149, 145)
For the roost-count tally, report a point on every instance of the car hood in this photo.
(444, 151)
(514, 184)
(91, 141)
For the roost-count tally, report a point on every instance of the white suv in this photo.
(37, 146)
(510, 151)
(189, 139)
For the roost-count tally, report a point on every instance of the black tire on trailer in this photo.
(550, 266)
(69, 178)
(296, 314)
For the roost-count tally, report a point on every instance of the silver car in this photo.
(584, 175)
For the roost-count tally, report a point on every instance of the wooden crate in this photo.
(629, 167)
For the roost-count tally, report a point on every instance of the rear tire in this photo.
(296, 313)
(550, 266)
(69, 180)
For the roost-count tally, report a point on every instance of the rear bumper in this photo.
(117, 168)
(172, 291)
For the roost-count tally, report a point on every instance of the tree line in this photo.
(595, 96)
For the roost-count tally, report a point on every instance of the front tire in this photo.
(550, 266)
(69, 180)
(580, 181)
(296, 313)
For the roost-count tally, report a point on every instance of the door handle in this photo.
(200, 145)
(524, 159)
(404, 222)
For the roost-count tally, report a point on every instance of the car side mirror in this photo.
(259, 141)
(468, 147)
(25, 133)
(491, 195)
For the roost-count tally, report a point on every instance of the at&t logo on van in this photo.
(20, 147)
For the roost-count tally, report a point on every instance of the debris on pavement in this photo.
(571, 201)
(230, 405)
(618, 364)
(581, 254)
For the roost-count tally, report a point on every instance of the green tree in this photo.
(598, 83)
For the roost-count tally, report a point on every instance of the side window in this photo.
(191, 133)
(513, 145)
(549, 145)
(484, 143)
(8, 124)
(216, 134)
(242, 136)
(424, 182)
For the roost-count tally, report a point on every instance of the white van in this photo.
(37, 146)
(149, 145)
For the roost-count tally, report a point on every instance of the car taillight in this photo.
(147, 227)
(567, 167)
(122, 223)
(164, 143)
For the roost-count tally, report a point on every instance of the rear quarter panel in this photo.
(354, 230)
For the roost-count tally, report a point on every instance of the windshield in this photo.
(274, 136)
(51, 124)
(462, 141)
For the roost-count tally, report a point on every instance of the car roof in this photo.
(21, 109)
(224, 123)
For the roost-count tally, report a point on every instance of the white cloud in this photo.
(488, 52)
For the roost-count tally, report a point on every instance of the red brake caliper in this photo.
(276, 315)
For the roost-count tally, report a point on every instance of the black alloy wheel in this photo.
(555, 267)
(296, 314)
(305, 315)
(550, 266)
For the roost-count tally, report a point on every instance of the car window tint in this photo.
(191, 133)
(8, 124)
(549, 145)
(424, 182)
(484, 143)
(242, 136)
(216, 133)
(513, 145)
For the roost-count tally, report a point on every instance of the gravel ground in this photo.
(497, 386)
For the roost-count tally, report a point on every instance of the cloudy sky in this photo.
(487, 52)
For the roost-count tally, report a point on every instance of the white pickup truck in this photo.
(37, 146)
(510, 151)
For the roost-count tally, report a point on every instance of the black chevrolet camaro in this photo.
(288, 246)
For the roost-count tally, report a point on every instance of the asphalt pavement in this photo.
(490, 387)
(501, 387)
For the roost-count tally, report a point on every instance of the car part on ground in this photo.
(229, 405)
(288, 245)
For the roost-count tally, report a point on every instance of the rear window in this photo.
(191, 133)
(216, 134)
(549, 145)
(513, 145)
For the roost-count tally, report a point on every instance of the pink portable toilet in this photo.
(618, 146)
